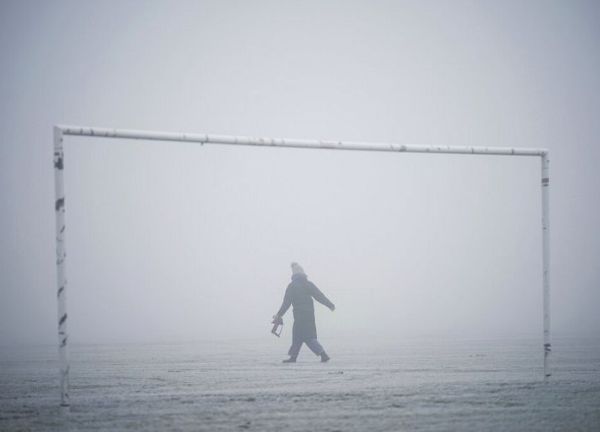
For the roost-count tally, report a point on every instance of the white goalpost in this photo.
(61, 131)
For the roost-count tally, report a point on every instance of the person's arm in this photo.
(320, 297)
(287, 302)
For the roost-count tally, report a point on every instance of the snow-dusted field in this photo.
(227, 386)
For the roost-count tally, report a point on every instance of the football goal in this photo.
(60, 132)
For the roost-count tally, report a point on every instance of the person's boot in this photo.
(290, 360)
(324, 357)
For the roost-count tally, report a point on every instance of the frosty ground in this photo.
(425, 384)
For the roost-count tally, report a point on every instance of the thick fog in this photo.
(171, 241)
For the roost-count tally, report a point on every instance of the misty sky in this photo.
(180, 241)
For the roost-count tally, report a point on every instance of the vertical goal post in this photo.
(61, 131)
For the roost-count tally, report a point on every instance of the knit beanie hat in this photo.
(296, 269)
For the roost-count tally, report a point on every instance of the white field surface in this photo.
(425, 385)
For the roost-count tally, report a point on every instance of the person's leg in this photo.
(296, 342)
(293, 352)
(318, 349)
(315, 346)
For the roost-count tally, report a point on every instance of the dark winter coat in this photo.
(299, 294)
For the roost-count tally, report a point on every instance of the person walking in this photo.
(299, 294)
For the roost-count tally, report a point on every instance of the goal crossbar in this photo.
(292, 143)
(61, 130)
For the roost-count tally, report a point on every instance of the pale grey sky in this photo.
(179, 241)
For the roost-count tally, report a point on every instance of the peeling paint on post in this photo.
(546, 259)
(61, 273)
